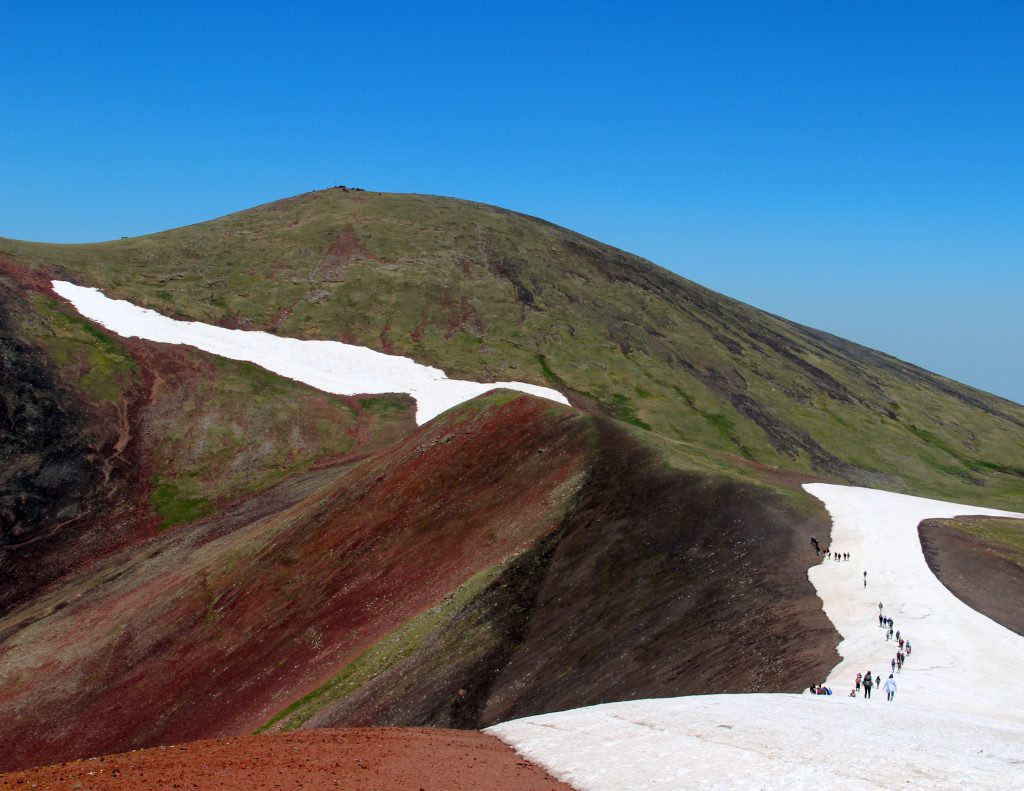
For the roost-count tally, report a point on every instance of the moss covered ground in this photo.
(491, 294)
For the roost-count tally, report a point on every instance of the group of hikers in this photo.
(868, 681)
(827, 552)
(896, 664)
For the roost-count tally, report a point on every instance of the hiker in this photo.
(878, 681)
(867, 686)
(897, 634)
(880, 620)
(892, 665)
(857, 682)
(865, 579)
(847, 556)
(890, 688)
(908, 648)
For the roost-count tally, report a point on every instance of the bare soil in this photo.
(658, 583)
(975, 571)
(209, 630)
(382, 759)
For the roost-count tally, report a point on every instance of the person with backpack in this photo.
(857, 682)
(890, 688)
(867, 686)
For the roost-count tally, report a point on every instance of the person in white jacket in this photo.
(890, 688)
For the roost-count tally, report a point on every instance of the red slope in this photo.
(381, 759)
(187, 637)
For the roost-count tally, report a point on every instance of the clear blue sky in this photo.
(855, 166)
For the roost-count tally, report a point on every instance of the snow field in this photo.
(769, 742)
(961, 660)
(956, 721)
(331, 366)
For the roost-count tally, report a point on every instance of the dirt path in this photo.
(382, 759)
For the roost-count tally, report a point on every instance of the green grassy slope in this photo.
(491, 294)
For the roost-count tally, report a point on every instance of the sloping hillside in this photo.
(104, 441)
(194, 547)
(208, 630)
(492, 295)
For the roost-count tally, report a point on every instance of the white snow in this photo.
(339, 368)
(960, 658)
(956, 721)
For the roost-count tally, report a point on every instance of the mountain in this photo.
(194, 547)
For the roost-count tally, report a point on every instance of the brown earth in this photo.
(211, 629)
(984, 575)
(374, 759)
(656, 583)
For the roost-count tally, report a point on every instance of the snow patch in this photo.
(956, 722)
(339, 368)
(961, 658)
(769, 743)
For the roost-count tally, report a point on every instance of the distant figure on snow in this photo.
(857, 682)
(878, 681)
(867, 685)
(890, 688)
(865, 579)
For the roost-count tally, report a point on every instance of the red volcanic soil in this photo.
(382, 759)
(207, 632)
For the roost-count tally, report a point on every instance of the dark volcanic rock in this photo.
(658, 583)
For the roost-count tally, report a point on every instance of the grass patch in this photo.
(176, 507)
(549, 374)
(977, 465)
(384, 405)
(622, 409)
(96, 362)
